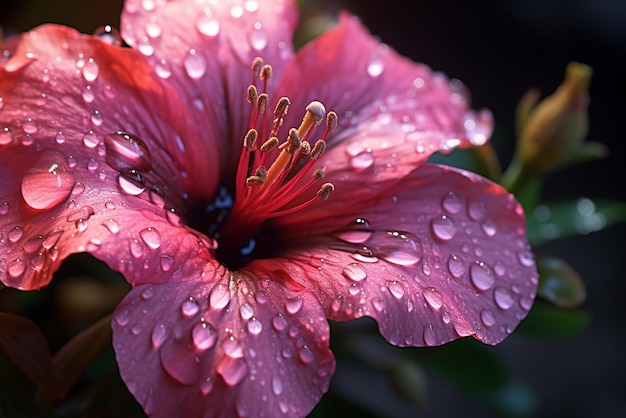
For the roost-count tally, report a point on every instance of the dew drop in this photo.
(293, 305)
(232, 348)
(429, 335)
(90, 70)
(258, 37)
(355, 272)
(451, 203)
(153, 29)
(208, 26)
(83, 213)
(111, 225)
(195, 64)
(6, 137)
(30, 127)
(47, 183)
(232, 370)
(443, 227)
(122, 317)
(481, 276)
(32, 245)
(476, 210)
(487, 317)
(433, 297)
(96, 118)
(526, 258)
(131, 184)
(246, 311)
(159, 335)
(15, 234)
(255, 326)
(503, 298)
(489, 227)
(4, 208)
(151, 237)
(162, 69)
(398, 247)
(362, 160)
(203, 335)
(190, 306)
(220, 297)
(108, 34)
(166, 262)
(396, 289)
(125, 151)
(455, 266)
(376, 66)
(279, 322)
(306, 355)
(277, 385)
(357, 232)
(90, 139)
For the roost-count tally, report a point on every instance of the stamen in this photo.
(315, 112)
(262, 102)
(281, 107)
(325, 190)
(259, 177)
(318, 149)
(266, 73)
(270, 144)
(253, 95)
(331, 121)
(305, 148)
(249, 141)
(318, 174)
(294, 141)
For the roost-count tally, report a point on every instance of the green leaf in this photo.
(23, 345)
(550, 221)
(559, 283)
(548, 321)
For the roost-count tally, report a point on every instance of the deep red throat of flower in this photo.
(243, 213)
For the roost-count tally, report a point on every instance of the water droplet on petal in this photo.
(109, 35)
(220, 297)
(293, 305)
(122, 317)
(233, 370)
(203, 335)
(166, 262)
(397, 247)
(159, 335)
(195, 64)
(15, 234)
(306, 355)
(190, 307)
(90, 70)
(258, 37)
(162, 69)
(255, 326)
(112, 225)
(429, 335)
(208, 26)
(355, 272)
(131, 183)
(151, 237)
(503, 298)
(376, 65)
(232, 348)
(526, 258)
(452, 203)
(396, 289)
(47, 183)
(180, 362)
(277, 385)
(30, 127)
(279, 322)
(16, 268)
(443, 227)
(433, 297)
(356, 232)
(476, 210)
(487, 317)
(126, 151)
(481, 275)
(246, 311)
(489, 227)
(32, 245)
(90, 139)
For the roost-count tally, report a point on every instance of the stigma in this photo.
(276, 173)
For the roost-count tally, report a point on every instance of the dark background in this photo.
(499, 49)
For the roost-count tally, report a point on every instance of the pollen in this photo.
(277, 177)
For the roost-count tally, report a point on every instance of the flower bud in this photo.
(552, 133)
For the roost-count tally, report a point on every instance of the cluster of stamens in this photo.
(271, 178)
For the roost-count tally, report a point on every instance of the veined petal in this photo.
(393, 113)
(76, 174)
(205, 50)
(225, 345)
(451, 261)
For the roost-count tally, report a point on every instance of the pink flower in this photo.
(239, 255)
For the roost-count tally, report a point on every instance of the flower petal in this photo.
(393, 113)
(440, 256)
(71, 182)
(225, 345)
(205, 50)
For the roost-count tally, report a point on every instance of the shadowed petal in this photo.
(451, 261)
(73, 183)
(222, 346)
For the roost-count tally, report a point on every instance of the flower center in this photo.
(274, 178)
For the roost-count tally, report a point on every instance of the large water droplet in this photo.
(195, 64)
(356, 232)
(47, 183)
(232, 348)
(125, 151)
(397, 247)
(489, 227)
(455, 266)
(109, 35)
(190, 306)
(476, 210)
(90, 70)
(90, 139)
(15, 234)
(293, 305)
(355, 272)
(16, 268)
(396, 289)
(131, 183)
(451, 202)
(83, 214)
(203, 335)
(207, 25)
(443, 227)
(277, 385)
(306, 355)
(487, 317)
(503, 298)
(166, 262)
(246, 311)
(220, 297)
(151, 237)
(279, 322)
(433, 297)
(481, 275)
(112, 225)
(159, 335)
(233, 370)
(254, 326)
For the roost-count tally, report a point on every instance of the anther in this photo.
(259, 177)
(253, 94)
(281, 107)
(318, 174)
(305, 148)
(325, 190)
(270, 144)
(262, 102)
(266, 73)
(331, 121)
(318, 149)
(249, 141)
(257, 63)
(294, 141)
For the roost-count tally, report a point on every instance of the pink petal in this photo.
(393, 113)
(223, 345)
(206, 49)
(66, 182)
(441, 255)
